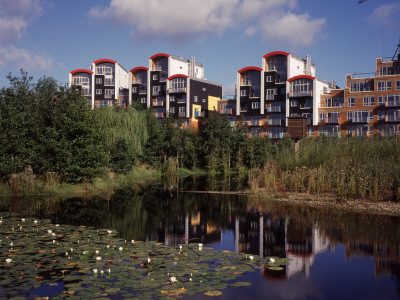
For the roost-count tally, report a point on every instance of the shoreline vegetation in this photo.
(53, 143)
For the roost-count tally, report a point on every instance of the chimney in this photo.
(308, 65)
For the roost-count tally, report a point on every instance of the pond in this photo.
(266, 249)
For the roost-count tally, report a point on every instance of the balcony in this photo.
(331, 134)
(332, 120)
(301, 94)
(198, 114)
(181, 100)
(141, 92)
(273, 122)
(182, 114)
(275, 135)
(309, 121)
(227, 111)
(177, 90)
(389, 133)
(392, 118)
(392, 103)
(109, 82)
(253, 123)
(269, 97)
(273, 109)
(360, 119)
(158, 103)
(155, 93)
(159, 115)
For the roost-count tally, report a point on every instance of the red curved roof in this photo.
(301, 77)
(177, 75)
(81, 71)
(159, 55)
(250, 69)
(139, 68)
(275, 53)
(104, 60)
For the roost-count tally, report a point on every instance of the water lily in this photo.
(23, 220)
(98, 257)
(95, 271)
(251, 257)
(120, 248)
(133, 241)
(102, 272)
(66, 253)
(172, 279)
(148, 260)
(109, 271)
(190, 279)
(49, 231)
(97, 251)
(272, 260)
(200, 247)
(72, 249)
(35, 221)
(109, 231)
(57, 225)
(8, 260)
(54, 241)
(11, 244)
(108, 246)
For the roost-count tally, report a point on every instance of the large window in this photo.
(369, 101)
(384, 85)
(350, 102)
(253, 79)
(361, 86)
(178, 84)
(108, 93)
(105, 69)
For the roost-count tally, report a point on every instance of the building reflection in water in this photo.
(267, 234)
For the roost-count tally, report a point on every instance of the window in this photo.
(155, 77)
(361, 86)
(338, 102)
(350, 115)
(350, 102)
(172, 98)
(308, 103)
(397, 85)
(384, 85)
(268, 78)
(134, 89)
(381, 115)
(310, 131)
(293, 103)
(381, 100)
(99, 92)
(182, 111)
(172, 110)
(108, 93)
(328, 102)
(99, 80)
(203, 100)
(243, 93)
(143, 100)
(369, 101)
(255, 105)
(195, 99)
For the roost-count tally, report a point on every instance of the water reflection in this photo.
(232, 222)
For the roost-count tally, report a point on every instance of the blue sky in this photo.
(47, 37)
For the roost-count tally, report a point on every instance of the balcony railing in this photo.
(389, 133)
(198, 114)
(159, 115)
(392, 118)
(227, 111)
(109, 82)
(360, 119)
(272, 135)
(332, 120)
(181, 101)
(269, 97)
(182, 114)
(392, 103)
(108, 96)
(300, 93)
(274, 109)
(331, 134)
(274, 122)
(158, 103)
(156, 93)
(142, 92)
(177, 90)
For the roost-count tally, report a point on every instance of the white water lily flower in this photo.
(109, 231)
(148, 260)
(190, 279)
(272, 260)
(133, 241)
(109, 271)
(101, 272)
(66, 253)
(97, 251)
(251, 257)
(72, 249)
(11, 244)
(108, 246)
(98, 257)
(172, 279)
(8, 260)
(54, 241)
(53, 234)
(49, 231)
(85, 252)
(57, 225)
(35, 221)
(180, 247)
(1, 221)
(120, 248)
(95, 271)
(23, 220)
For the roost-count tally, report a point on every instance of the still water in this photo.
(335, 254)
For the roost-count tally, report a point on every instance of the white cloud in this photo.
(387, 15)
(15, 16)
(24, 59)
(180, 20)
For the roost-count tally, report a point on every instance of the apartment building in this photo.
(285, 85)
(368, 105)
(106, 84)
(175, 86)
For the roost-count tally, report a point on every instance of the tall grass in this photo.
(367, 168)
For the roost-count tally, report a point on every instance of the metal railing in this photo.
(300, 93)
